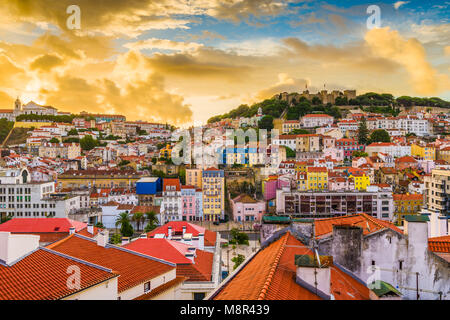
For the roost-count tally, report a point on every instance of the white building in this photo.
(316, 120)
(19, 198)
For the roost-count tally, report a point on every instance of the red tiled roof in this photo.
(41, 225)
(324, 227)
(174, 251)
(408, 197)
(319, 115)
(42, 275)
(177, 226)
(161, 288)
(439, 244)
(171, 182)
(134, 269)
(271, 274)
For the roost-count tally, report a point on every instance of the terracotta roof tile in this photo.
(42, 275)
(439, 244)
(133, 268)
(271, 275)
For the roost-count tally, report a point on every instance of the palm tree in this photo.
(152, 220)
(138, 217)
(122, 219)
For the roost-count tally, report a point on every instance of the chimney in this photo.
(416, 228)
(103, 238)
(125, 240)
(90, 228)
(184, 230)
(15, 246)
(190, 254)
(442, 226)
(201, 241)
(169, 232)
(71, 230)
(347, 245)
(314, 275)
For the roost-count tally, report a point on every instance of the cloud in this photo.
(447, 50)
(285, 84)
(46, 62)
(398, 4)
(411, 55)
(208, 35)
(163, 44)
(310, 19)
(145, 100)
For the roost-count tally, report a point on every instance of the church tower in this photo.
(17, 106)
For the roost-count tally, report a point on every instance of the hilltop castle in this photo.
(324, 96)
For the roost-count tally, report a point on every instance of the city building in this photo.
(245, 208)
(437, 186)
(171, 206)
(374, 201)
(213, 182)
(316, 120)
(407, 204)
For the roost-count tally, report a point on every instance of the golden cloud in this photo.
(46, 62)
(410, 54)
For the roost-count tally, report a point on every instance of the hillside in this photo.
(17, 136)
(384, 103)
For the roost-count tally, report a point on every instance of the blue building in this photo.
(147, 188)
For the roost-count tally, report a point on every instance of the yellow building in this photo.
(26, 124)
(98, 178)
(213, 182)
(407, 204)
(194, 178)
(166, 152)
(426, 152)
(361, 181)
(302, 181)
(444, 154)
(317, 178)
(278, 125)
(307, 142)
(290, 125)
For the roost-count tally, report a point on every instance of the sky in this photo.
(183, 61)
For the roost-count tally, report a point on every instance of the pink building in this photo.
(271, 185)
(245, 208)
(188, 203)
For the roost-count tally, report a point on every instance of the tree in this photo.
(289, 152)
(152, 221)
(360, 154)
(379, 135)
(123, 220)
(138, 218)
(238, 260)
(363, 132)
(300, 131)
(4, 219)
(123, 163)
(99, 225)
(266, 123)
(88, 143)
(316, 101)
(54, 140)
(72, 132)
(116, 238)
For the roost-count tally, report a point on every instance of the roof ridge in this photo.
(54, 244)
(269, 278)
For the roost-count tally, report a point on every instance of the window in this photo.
(199, 295)
(147, 287)
(400, 265)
